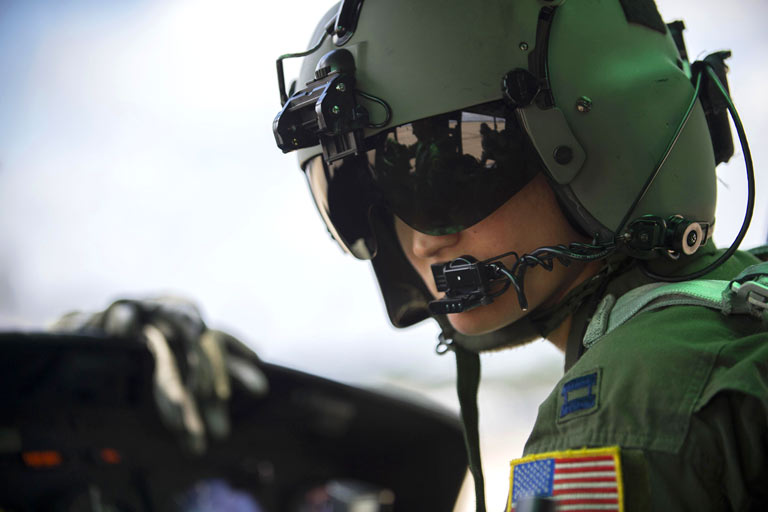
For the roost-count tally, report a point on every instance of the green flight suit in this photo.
(683, 392)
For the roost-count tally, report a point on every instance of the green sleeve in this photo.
(720, 467)
(684, 393)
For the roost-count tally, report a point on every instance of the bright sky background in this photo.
(137, 158)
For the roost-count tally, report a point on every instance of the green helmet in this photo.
(601, 90)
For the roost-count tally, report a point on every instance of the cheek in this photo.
(424, 270)
(405, 237)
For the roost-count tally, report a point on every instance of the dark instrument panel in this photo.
(79, 431)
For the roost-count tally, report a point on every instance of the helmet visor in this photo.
(440, 175)
(344, 196)
(443, 174)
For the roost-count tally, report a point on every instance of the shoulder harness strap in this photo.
(745, 294)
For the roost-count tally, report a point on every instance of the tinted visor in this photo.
(439, 175)
(345, 197)
(443, 174)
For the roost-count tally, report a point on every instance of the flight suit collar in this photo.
(625, 276)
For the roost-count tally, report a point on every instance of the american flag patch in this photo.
(578, 480)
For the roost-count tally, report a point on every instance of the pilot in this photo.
(546, 168)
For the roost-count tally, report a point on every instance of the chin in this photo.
(485, 319)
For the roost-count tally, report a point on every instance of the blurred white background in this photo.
(137, 158)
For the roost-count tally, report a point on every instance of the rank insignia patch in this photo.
(579, 396)
(577, 480)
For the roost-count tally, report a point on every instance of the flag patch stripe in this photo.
(587, 474)
(603, 491)
(599, 497)
(593, 464)
(585, 459)
(580, 485)
(592, 479)
(592, 508)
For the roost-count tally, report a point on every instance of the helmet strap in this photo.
(548, 319)
(467, 383)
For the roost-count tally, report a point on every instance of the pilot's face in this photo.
(529, 220)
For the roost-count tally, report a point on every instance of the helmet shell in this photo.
(430, 57)
(634, 79)
(422, 57)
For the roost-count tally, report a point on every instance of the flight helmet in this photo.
(438, 112)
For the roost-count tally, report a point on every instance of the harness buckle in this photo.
(750, 296)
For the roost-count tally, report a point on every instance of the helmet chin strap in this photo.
(467, 384)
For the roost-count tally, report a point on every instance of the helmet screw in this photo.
(692, 239)
(563, 155)
(584, 104)
(295, 142)
(341, 87)
(523, 45)
(335, 109)
(520, 87)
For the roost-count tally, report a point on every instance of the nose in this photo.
(430, 246)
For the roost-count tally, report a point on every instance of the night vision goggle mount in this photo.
(326, 112)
